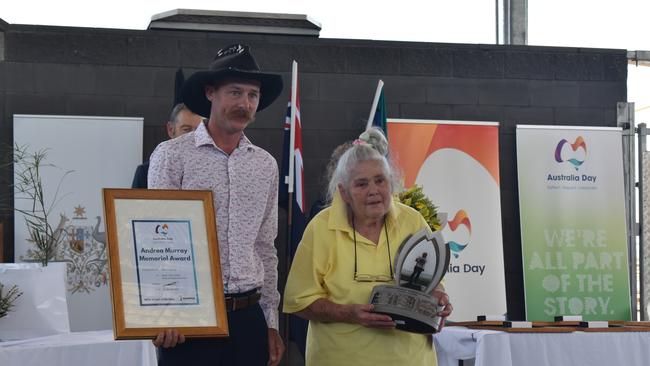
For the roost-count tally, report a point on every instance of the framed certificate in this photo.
(164, 263)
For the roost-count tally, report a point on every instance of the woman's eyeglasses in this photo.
(361, 277)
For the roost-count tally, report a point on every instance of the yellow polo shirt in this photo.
(324, 268)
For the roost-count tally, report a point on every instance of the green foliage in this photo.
(7, 299)
(28, 186)
(414, 197)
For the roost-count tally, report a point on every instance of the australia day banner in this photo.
(457, 164)
(572, 210)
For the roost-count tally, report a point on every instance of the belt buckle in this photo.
(236, 301)
(241, 302)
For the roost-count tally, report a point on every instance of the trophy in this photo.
(421, 263)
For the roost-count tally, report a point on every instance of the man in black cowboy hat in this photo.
(244, 181)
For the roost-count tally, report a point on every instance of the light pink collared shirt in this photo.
(245, 193)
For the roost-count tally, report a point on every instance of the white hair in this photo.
(371, 146)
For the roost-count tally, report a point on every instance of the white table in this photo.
(494, 348)
(77, 349)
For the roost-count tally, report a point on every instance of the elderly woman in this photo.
(346, 250)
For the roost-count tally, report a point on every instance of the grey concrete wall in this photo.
(77, 71)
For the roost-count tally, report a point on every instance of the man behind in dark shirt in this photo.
(181, 121)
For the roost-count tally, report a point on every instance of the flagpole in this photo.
(290, 183)
(373, 109)
(287, 267)
(292, 131)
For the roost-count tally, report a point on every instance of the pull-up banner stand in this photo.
(99, 152)
(457, 164)
(572, 213)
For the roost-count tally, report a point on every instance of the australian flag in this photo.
(297, 326)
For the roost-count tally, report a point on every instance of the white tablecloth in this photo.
(494, 348)
(77, 349)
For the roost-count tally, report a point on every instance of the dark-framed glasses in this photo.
(362, 277)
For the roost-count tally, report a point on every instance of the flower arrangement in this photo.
(414, 197)
(8, 299)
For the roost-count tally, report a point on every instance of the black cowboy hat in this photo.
(234, 61)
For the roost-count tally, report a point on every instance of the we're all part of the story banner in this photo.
(572, 211)
(457, 164)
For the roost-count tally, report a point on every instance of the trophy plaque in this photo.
(421, 263)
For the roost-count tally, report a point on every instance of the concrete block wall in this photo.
(79, 71)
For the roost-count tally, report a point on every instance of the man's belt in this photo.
(236, 302)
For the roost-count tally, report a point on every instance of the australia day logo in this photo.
(460, 238)
(574, 156)
(162, 229)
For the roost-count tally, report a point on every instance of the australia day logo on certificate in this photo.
(164, 258)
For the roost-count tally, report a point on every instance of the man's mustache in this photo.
(239, 113)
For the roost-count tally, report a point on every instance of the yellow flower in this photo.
(425, 212)
(414, 197)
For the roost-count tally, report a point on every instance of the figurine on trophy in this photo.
(417, 271)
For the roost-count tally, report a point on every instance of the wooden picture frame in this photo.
(164, 263)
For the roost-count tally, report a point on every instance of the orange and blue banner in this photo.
(457, 164)
(573, 229)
